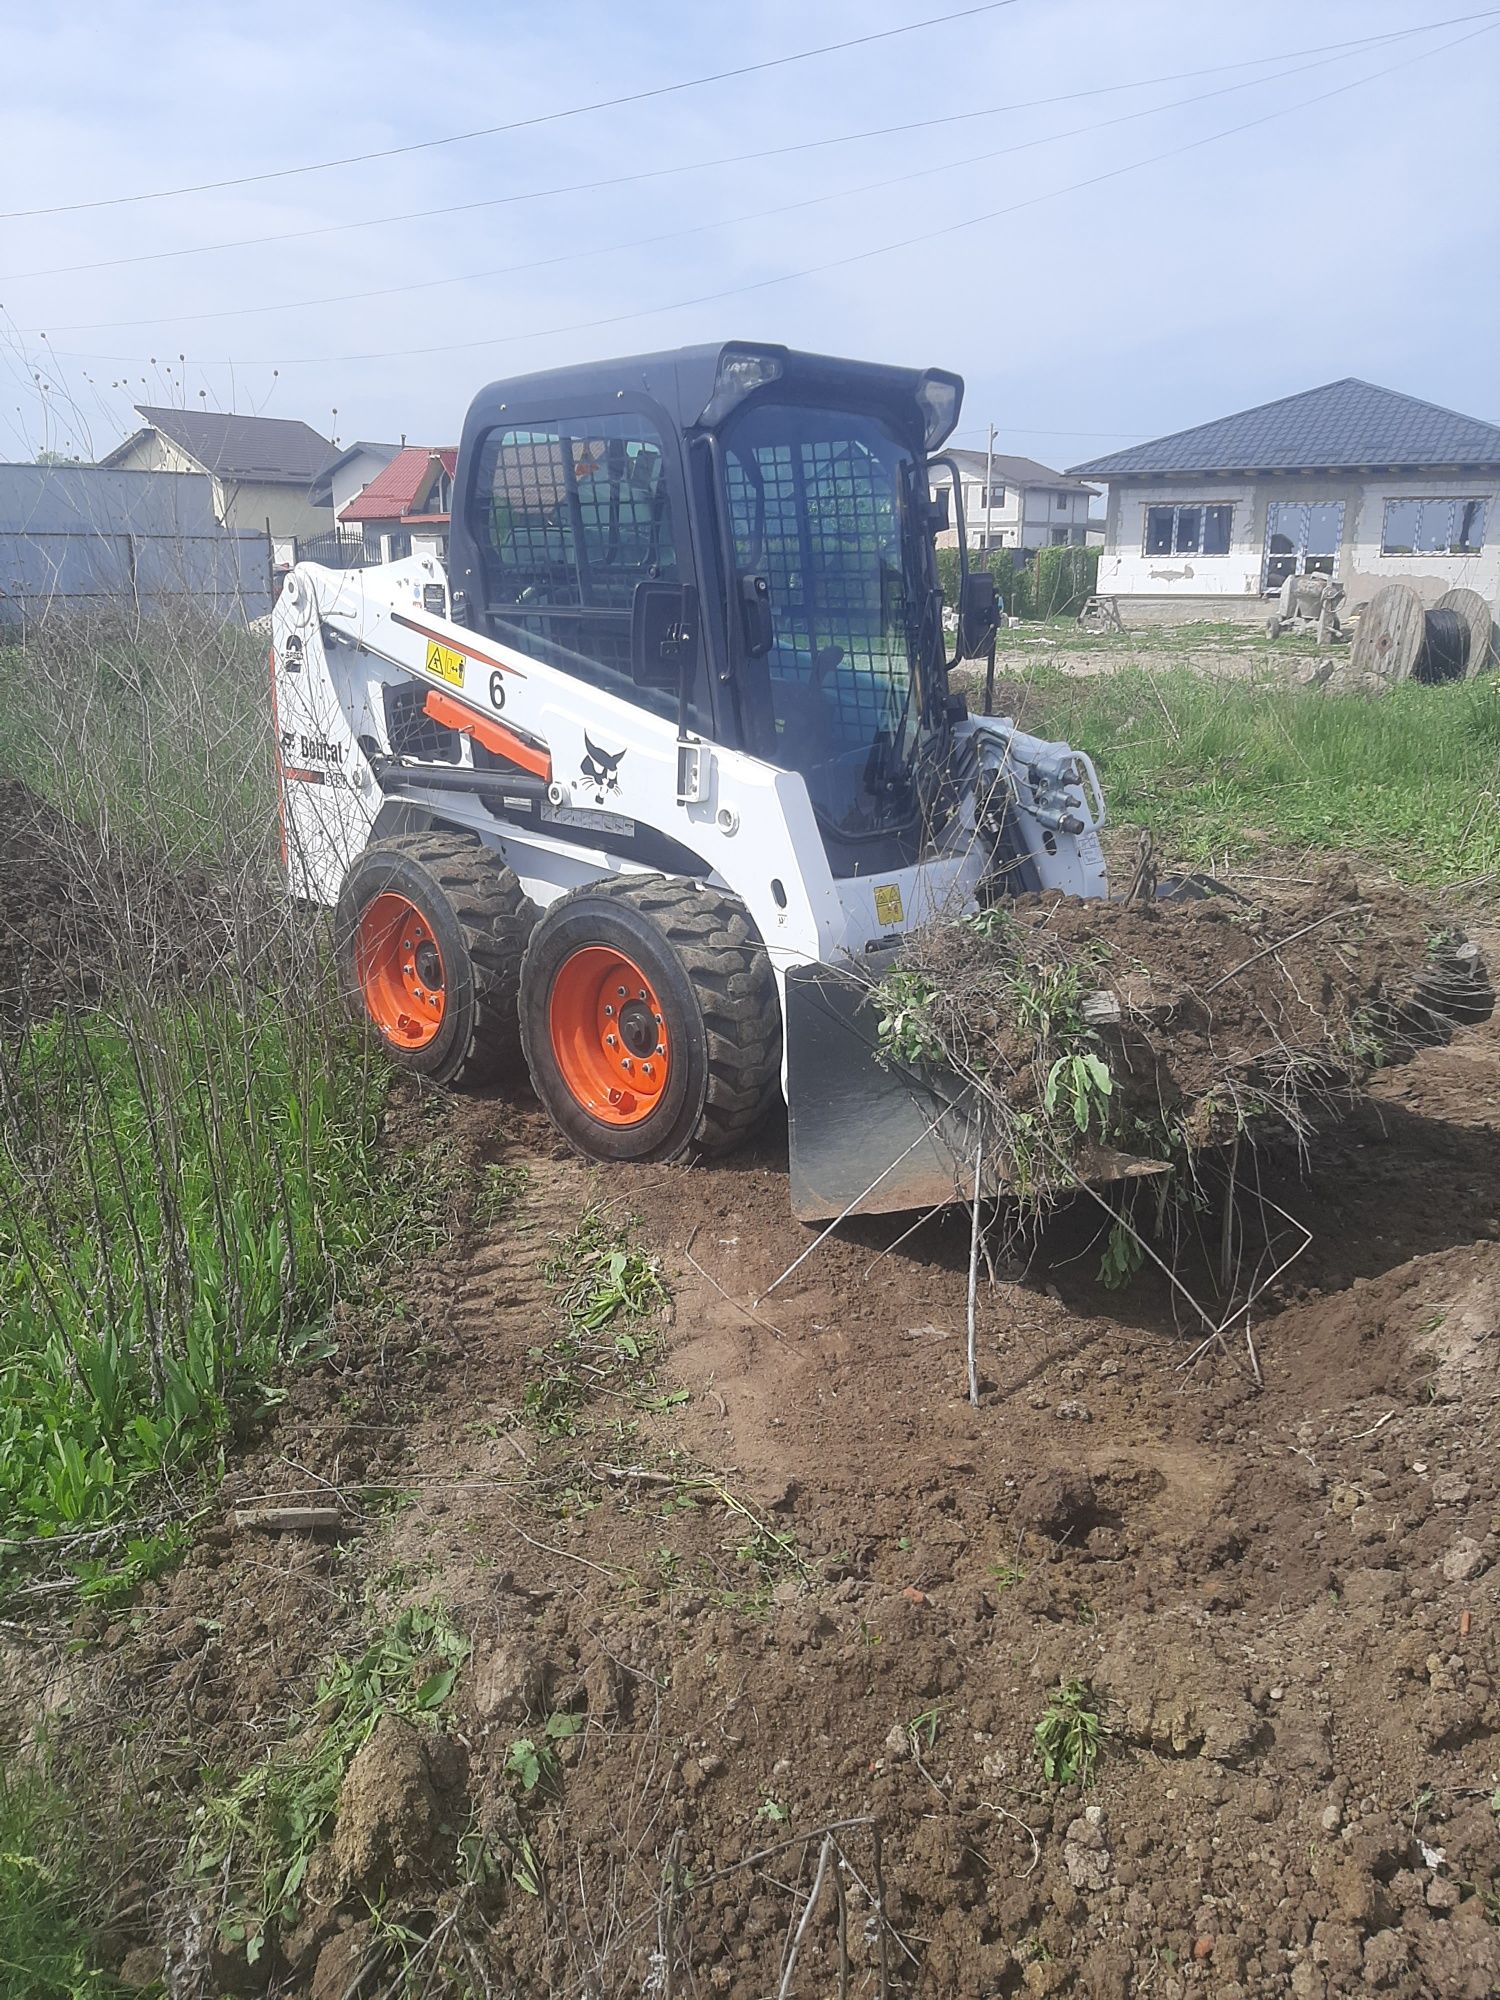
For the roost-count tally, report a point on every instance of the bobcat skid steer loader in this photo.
(654, 772)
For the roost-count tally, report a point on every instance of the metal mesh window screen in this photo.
(571, 517)
(817, 515)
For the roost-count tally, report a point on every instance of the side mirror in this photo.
(663, 633)
(978, 614)
(755, 615)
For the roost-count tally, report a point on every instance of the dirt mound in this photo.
(401, 1795)
(1212, 1013)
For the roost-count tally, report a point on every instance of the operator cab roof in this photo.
(698, 386)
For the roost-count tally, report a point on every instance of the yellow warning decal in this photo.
(888, 910)
(447, 664)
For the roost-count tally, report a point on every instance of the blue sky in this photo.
(1356, 235)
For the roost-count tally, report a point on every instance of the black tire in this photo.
(711, 973)
(480, 918)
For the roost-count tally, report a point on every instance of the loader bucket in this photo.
(871, 1137)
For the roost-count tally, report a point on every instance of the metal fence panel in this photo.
(82, 537)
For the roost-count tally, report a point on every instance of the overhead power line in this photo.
(729, 159)
(514, 124)
(692, 229)
(926, 238)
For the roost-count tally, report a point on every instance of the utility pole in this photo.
(989, 471)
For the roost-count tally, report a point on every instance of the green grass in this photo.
(1410, 776)
(1166, 642)
(45, 1946)
(177, 1208)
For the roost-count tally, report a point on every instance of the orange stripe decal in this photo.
(533, 757)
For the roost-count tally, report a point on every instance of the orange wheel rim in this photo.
(609, 1035)
(400, 971)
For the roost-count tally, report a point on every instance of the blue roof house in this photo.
(1351, 480)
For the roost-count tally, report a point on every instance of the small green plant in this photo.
(531, 1760)
(904, 1028)
(608, 1287)
(1080, 1085)
(502, 1187)
(113, 1579)
(922, 1730)
(526, 1867)
(1005, 1576)
(1070, 1733)
(603, 1276)
(773, 1811)
(1123, 1257)
(257, 1836)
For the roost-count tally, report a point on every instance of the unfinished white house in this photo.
(1354, 481)
(1014, 503)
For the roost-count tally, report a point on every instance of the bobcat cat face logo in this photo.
(600, 768)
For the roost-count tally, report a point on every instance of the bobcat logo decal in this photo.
(600, 768)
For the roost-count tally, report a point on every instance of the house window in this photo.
(1188, 531)
(398, 546)
(1059, 538)
(1062, 503)
(1302, 539)
(997, 496)
(1433, 528)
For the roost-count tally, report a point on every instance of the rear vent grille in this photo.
(412, 732)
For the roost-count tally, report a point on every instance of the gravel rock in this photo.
(1465, 1561)
(1450, 1489)
(1086, 1854)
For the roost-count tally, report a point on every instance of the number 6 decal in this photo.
(497, 690)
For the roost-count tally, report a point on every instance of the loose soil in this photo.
(797, 1590)
(1220, 1008)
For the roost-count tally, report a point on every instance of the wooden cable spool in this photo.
(1400, 641)
(1392, 632)
(1476, 614)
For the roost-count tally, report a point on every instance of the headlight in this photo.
(741, 370)
(938, 397)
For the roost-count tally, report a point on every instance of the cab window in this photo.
(570, 517)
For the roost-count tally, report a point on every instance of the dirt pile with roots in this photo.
(1212, 1014)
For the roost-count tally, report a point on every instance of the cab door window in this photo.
(570, 517)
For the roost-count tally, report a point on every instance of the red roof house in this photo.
(406, 506)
